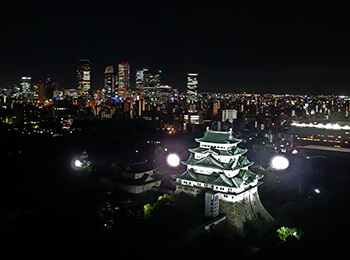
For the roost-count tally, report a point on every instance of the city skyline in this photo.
(235, 47)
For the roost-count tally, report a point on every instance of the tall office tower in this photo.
(140, 75)
(83, 76)
(151, 81)
(229, 114)
(35, 96)
(41, 93)
(123, 77)
(26, 86)
(49, 87)
(192, 85)
(15, 91)
(109, 84)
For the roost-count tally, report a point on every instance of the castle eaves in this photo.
(218, 137)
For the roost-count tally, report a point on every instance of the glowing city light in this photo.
(279, 163)
(328, 126)
(173, 160)
(317, 191)
(295, 152)
(77, 163)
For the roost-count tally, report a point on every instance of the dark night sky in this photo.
(252, 46)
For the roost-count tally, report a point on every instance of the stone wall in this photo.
(248, 212)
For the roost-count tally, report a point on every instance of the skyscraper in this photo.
(123, 77)
(49, 87)
(192, 85)
(41, 93)
(26, 86)
(109, 82)
(83, 76)
(151, 80)
(140, 75)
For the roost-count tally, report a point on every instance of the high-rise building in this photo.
(192, 85)
(26, 88)
(35, 96)
(50, 87)
(151, 81)
(123, 77)
(109, 82)
(83, 76)
(41, 93)
(15, 91)
(229, 114)
(140, 76)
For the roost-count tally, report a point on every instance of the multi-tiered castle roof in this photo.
(218, 164)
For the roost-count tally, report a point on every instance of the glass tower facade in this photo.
(83, 76)
(192, 85)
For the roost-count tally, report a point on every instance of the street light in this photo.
(173, 160)
(279, 163)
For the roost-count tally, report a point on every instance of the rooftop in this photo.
(233, 151)
(219, 137)
(220, 179)
(209, 161)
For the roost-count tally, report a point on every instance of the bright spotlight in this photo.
(280, 163)
(173, 160)
(77, 163)
(317, 191)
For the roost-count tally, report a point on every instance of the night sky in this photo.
(253, 46)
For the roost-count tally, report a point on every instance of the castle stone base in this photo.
(246, 213)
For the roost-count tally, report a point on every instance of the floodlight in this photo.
(279, 163)
(173, 160)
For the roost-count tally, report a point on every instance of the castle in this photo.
(219, 168)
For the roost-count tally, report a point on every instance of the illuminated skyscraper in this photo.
(123, 77)
(192, 85)
(26, 88)
(109, 83)
(151, 80)
(41, 93)
(140, 78)
(83, 76)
